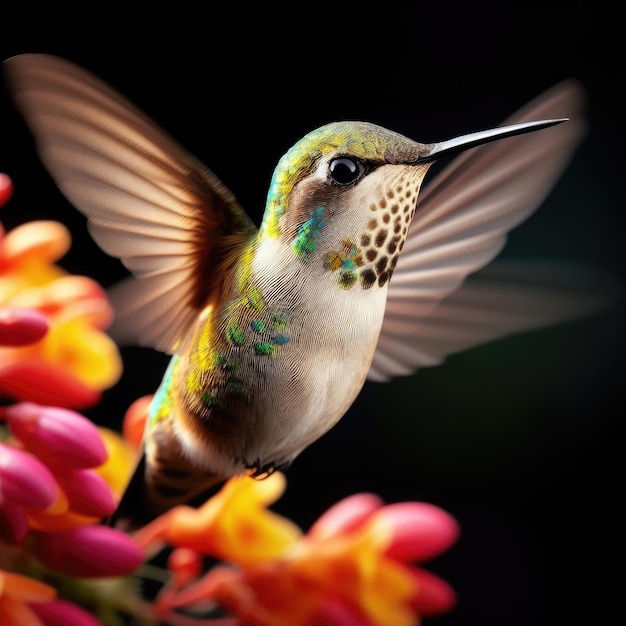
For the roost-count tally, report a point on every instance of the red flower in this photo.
(6, 188)
(21, 327)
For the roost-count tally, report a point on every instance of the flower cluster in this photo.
(353, 568)
(57, 478)
(53, 350)
(52, 493)
(60, 475)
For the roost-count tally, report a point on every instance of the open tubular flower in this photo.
(356, 565)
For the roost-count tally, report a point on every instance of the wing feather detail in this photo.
(149, 202)
(503, 298)
(460, 225)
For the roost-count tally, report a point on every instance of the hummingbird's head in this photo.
(346, 193)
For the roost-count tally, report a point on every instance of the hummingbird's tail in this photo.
(150, 494)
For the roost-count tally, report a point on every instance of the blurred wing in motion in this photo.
(460, 225)
(149, 203)
(504, 298)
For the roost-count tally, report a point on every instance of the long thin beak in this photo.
(458, 144)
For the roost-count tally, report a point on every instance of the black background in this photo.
(518, 439)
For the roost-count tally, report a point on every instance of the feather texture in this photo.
(274, 330)
(148, 201)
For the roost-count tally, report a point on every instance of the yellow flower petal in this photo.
(91, 355)
(121, 461)
(353, 565)
(235, 525)
(24, 286)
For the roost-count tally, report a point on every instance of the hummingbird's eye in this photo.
(344, 170)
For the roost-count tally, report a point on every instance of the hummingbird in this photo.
(353, 274)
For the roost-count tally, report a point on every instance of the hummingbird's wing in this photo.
(461, 223)
(503, 298)
(149, 202)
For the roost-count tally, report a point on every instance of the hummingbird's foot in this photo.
(260, 471)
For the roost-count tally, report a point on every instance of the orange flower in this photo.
(234, 525)
(28, 602)
(74, 360)
(17, 592)
(355, 565)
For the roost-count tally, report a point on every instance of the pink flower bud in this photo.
(345, 516)
(57, 435)
(21, 327)
(420, 531)
(88, 551)
(13, 524)
(434, 596)
(6, 188)
(63, 613)
(25, 481)
(87, 492)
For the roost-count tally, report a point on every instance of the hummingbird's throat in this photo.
(367, 257)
